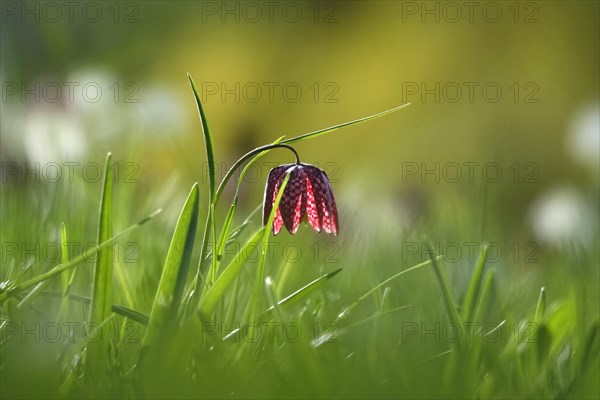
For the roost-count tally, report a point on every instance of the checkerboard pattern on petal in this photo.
(308, 192)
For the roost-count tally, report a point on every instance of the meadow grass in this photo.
(218, 314)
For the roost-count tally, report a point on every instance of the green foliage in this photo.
(170, 289)
(384, 327)
(100, 309)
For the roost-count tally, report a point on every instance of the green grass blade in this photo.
(212, 272)
(131, 314)
(216, 292)
(71, 280)
(124, 285)
(96, 331)
(64, 258)
(482, 304)
(378, 315)
(224, 235)
(238, 230)
(116, 308)
(453, 314)
(233, 236)
(453, 370)
(10, 275)
(474, 285)
(229, 219)
(321, 132)
(541, 306)
(36, 291)
(208, 140)
(254, 302)
(100, 309)
(284, 271)
(256, 153)
(384, 298)
(233, 303)
(303, 292)
(64, 276)
(434, 358)
(203, 253)
(591, 347)
(12, 290)
(377, 287)
(170, 289)
(219, 247)
(210, 159)
(271, 293)
(249, 164)
(484, 298)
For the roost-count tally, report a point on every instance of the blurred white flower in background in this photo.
(126, 106)
(563, 216)
(161, 112)
(63, 120)
(583, 139)
(53, 133)
(66, 120)
(96, 100)
(369, 214)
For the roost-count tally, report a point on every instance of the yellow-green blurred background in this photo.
(500, 144)
(349, 59)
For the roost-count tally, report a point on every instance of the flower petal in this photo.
(325, 206)
(321, 198)
(293, 201)
(333, 226)
(324, 214)
(311, 206)
(277, 223)
(271, 189)
(308, 192)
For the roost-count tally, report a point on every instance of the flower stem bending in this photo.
(242, 159)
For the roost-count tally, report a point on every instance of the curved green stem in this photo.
(242, 159)
(210, 217)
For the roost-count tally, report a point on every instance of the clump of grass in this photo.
(204, 332)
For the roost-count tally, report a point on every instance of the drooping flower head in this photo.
(307, 193)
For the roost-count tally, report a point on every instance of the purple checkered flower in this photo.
(307, 193)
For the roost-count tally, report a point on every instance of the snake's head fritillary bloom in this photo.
(307, 193)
